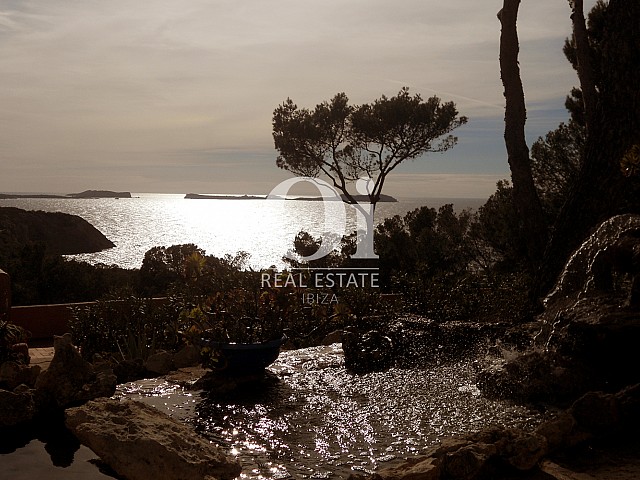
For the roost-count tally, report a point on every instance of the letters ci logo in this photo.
(335, 212)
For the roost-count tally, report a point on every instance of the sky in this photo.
(177, 96)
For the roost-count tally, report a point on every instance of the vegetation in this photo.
(595, 177)
(11, 335)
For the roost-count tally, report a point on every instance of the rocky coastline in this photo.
(61, 233)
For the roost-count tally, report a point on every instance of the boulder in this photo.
(139, 442)
(70, 379)
(16, 406)
(160, 363)
(187, 356)
(13, 374)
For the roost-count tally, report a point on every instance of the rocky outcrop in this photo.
(61, 233)
(590, 329)
(139, 443)
(17, 406)
(159, 363)
(13, 374)
(26, 392)
(70, 379)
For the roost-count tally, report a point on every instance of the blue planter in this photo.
(244, 358)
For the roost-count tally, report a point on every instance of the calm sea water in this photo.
(264, 229)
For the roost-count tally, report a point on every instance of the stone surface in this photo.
(141, 443)
(70, 379)
(160, 363)
(17, 406)
(13, 374)
(187, 356)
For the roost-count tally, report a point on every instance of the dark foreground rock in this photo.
(26, 394)
(140, 443)
(70, 379)
(63, 234)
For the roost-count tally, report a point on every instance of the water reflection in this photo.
(310, 417)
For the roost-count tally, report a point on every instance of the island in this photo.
(198, 196)
(61, 233)
(342, 198)
(12, 196)
(100, 194)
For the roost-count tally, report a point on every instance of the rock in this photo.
(187, 356)
(421, 468)
(553, 471)
(16, 407)
(13, 374)
(21, 350)
(581, 271)
(596, 412)
(522, 450)
(628, 406)
(129, 370)
(561, 432)
(140, 442)
(589, 331)
(63, 234)
(160, 363)
(468, 462)
(70, 379)
(333, 337)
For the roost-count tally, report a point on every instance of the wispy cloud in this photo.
(101, 84)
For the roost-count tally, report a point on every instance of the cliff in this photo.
(63, 234)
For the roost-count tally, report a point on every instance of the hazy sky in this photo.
(177, 96)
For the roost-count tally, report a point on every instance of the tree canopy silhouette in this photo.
(345, 142)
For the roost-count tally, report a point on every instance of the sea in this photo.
(265, 229)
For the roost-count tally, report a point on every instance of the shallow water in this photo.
(311, 418)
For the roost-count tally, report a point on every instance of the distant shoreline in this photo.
(85, 194)
(358, 198)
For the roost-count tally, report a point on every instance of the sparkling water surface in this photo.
(263, 228)
(313, 419)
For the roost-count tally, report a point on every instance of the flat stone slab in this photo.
(139, 442)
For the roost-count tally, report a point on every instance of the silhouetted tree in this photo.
(346, 142)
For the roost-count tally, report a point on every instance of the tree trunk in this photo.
(584, 64)
(525, 196)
